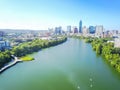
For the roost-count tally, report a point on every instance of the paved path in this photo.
(16, 60)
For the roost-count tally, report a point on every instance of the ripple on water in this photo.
(91, 82)
(91, 79)
(78, 87)
(91, 85)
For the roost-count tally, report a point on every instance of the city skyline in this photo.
(44, 14)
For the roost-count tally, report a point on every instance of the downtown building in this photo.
(85, 31)
(99, 31)
(115, 33)
(69, 30)
(58, 30)
(74, 30)
(117, 42)
(92, 29)
(80, 26)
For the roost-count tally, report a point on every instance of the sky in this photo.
(44, 14)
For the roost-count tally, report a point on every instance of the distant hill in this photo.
(21, 30)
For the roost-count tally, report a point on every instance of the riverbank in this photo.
(26, 58)
(69, 66)
(25, 49)
(10, 64)
(106, 49)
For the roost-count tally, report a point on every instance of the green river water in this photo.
(72, 65)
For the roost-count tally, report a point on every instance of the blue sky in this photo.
(41, 14)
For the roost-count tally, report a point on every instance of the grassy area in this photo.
(26, 58)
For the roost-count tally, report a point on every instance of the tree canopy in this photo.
(28, 48)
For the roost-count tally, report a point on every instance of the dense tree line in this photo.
(107, 50)
(28, 48)
(4, 58)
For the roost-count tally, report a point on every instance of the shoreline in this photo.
(106, 50)
(15, 61)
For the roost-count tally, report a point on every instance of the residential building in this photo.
(2, 33)
(4, 45)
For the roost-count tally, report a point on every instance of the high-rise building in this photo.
(114, 32)
(69, 29)
(58, 30)
(85, 30)
(80, 26)
(75, 29)
(92, 29)
(99, 29)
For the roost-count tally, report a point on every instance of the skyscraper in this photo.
(75, 29)
(85, 30)
(92, 29)
(69, 29)
(99, 29)
(80, 26)
(58, 30)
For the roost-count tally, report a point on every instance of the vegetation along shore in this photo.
(106, 49)
(21, 51)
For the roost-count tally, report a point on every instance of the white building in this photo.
(69, 29)
(85, 30)
(99, 30)
(117, 42)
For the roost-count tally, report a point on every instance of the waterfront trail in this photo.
(13, 62)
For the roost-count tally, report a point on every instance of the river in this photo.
(72, 65)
